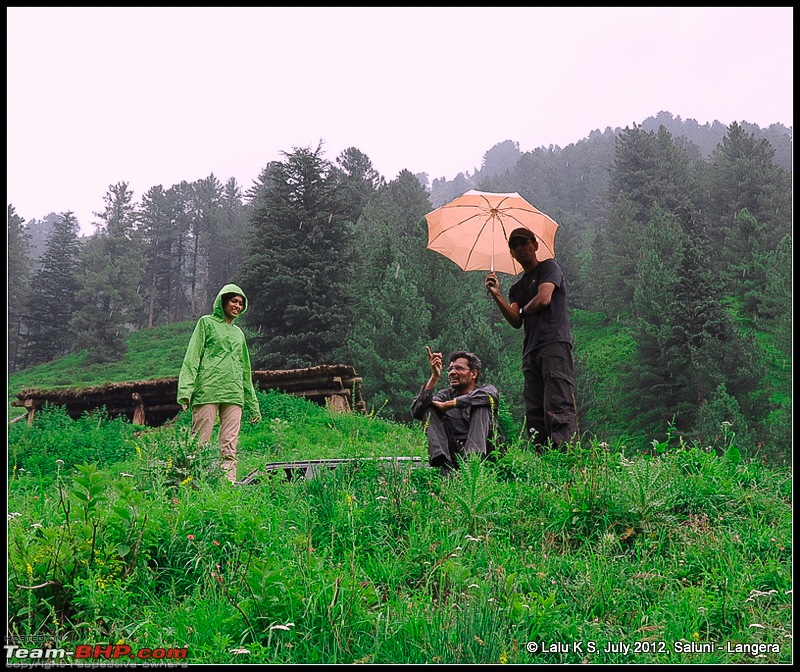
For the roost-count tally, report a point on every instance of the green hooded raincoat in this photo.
(216, 367)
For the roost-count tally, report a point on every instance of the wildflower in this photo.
(760, 593)
(190, 537)
(503, 655)
(215, 542)
(239, 652)
(138, 452)
(187, 480)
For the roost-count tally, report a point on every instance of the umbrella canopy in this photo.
(473, 229)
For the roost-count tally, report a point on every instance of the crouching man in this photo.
(461, 419)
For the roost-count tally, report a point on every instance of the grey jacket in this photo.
(458, 419)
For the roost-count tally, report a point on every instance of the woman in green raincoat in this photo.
(216, 378)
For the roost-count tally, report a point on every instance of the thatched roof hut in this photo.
(154, 402)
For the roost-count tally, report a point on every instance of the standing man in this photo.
(216, 378)
(538, 301)
(463, 418)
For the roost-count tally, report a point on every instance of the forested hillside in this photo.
(675, 239)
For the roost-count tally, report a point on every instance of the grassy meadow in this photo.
(124, 535)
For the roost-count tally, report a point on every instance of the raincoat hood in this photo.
(218, 311)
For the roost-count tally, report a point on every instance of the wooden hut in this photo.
(154, 402)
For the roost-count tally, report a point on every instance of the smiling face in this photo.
(232, 307)
(461, 377)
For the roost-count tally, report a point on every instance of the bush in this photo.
(54, 436)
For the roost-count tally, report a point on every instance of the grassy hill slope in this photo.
(152, 353)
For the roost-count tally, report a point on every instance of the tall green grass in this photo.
(118, 535)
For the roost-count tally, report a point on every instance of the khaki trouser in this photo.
(230, 419)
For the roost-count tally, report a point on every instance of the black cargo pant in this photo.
(550, 410)
(444, 446)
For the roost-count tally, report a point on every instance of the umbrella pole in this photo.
(491, 264)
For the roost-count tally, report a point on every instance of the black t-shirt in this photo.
(551, 325)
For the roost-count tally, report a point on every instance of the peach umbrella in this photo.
(472, 230)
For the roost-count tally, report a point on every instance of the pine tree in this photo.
(161, 279)
(228, 249)
(297, 269)
(742, 174)
(108, 299)
(358, 181)
(53, 293)
(687, 343)
(655, 384)
(387, 300)
(649, 169)
(20, 270)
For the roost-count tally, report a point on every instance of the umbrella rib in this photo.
(477, 238)
(452, 226)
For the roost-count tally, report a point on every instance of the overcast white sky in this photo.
(149, 95)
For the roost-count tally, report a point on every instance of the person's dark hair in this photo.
(228, 296)
(472, 360)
